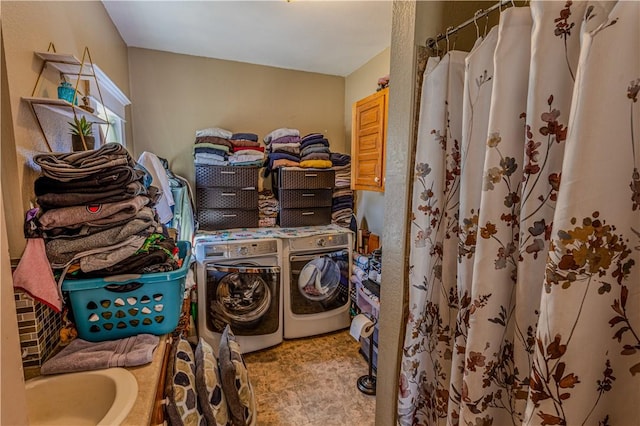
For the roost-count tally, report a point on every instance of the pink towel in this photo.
(34, 275)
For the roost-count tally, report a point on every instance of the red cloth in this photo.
(244, 148)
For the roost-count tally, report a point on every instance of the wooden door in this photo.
(368, 142)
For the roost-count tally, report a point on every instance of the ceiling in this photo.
(333, 37)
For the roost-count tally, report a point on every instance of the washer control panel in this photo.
(237, 249)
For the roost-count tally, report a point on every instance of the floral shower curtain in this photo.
(525, 257)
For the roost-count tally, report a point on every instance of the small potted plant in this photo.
(81, 128)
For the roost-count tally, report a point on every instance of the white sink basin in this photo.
(100, 397)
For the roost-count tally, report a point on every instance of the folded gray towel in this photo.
(66, 167)
(81, 355)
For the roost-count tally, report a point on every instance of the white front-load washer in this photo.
(239, 283)
(317, 271)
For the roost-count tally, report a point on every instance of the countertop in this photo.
(147, 376)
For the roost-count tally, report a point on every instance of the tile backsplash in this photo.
(39, 328)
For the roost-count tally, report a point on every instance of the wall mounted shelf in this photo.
(66, 64)
(63, 107)
(73, 68)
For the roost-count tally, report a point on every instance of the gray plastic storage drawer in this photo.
(226, 198)
(227, 176)
(212, 219)
(286, 178)
(305, 198)
(305, 217)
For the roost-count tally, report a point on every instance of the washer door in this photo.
(242, 295)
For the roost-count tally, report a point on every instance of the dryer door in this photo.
(319, 282)
(244, 296)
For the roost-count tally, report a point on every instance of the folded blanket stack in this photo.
(268, 209)
(246, 150)
(97, 217)
(215, 146)
(358, 275)
(212, 147)
(314, 151)
(342, 205)
(283, 149)
(361, 261)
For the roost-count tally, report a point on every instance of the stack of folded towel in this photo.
(342, 205)
(358, 274)
(212, 147)
(362, 262)
(97, 215)
(215, 146)
(314, 151)
(268, 209)
(283, 149)
(246, 150)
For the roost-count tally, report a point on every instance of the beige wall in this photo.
(13, 402)
(362, 83)
(393, 288)
(28, 27)
(174, 95)
(434, 17)
(359, 84)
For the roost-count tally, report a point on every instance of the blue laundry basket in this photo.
(126, 305)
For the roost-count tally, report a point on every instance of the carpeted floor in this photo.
(311, 381)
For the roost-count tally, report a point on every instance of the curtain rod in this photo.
(432, 42)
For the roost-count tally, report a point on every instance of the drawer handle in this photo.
(310, 175)
(227, 172)
(308, 213)
(229, 215)
(308, 195)
(229, 194)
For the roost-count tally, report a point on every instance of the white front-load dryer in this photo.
(317, 272)
(239, 283)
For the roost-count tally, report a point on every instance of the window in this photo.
(111, 109)
(112, 132)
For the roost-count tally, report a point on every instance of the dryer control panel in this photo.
(322, 241)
